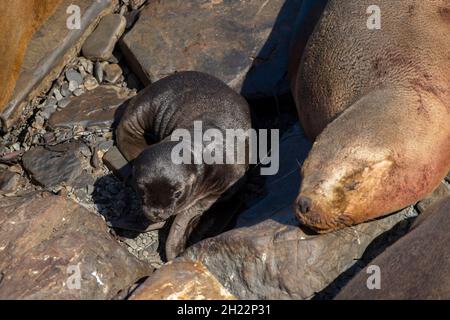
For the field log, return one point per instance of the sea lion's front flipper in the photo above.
(180, 230)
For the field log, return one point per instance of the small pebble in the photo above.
(16, 168)
(123, 10)
(90, 83)
(57, 94)
(88, 65)
(105, 145)
(113, 72)
(78, 92)
(38, 122)
(73, 85)
(82, 71)
(98, 71)
(65, 90)
(72, 75)
(47, 112)
(63, 103)
(50, 102)
(131, 243)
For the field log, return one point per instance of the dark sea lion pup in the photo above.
(144, 136)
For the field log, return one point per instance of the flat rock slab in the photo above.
(182, 280)
(100, 44)
(116, 162)
(51, 248)
(50, 168)
(222, 38)
(416, 267)
(96, 108)
(48, 51)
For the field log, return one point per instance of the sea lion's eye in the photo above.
(177, 194)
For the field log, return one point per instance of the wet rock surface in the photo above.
(48, 241)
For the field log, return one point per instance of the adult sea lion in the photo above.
(144, 137)
(417, 266)
(378, 102)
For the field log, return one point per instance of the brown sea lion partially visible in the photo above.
(20, 20)
(144, 136)
(377, 103)
(417, 266)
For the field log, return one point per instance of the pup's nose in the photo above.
(304, 204)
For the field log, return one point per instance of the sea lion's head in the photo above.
(343, 184)
(164, 187)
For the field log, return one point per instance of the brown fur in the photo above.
(378, 102)
(20, 19)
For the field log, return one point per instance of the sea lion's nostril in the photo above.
(304, 204)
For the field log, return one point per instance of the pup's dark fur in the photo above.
(143, 136)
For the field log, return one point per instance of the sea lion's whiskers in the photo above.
(283, 177)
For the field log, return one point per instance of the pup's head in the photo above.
(163, 186)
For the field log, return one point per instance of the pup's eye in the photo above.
(177, 194)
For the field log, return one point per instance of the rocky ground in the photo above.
(60, 149)
(64, 149)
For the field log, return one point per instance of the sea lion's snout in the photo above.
(311, 213)
(304, 204)
(305, 213)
